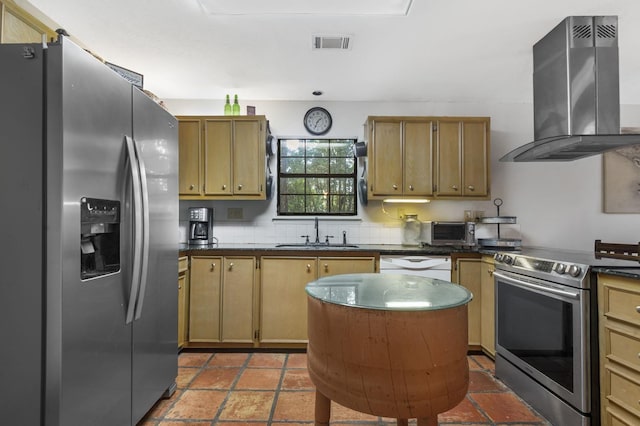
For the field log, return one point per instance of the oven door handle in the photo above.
(542, 288)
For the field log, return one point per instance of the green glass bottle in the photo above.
(236, 106)
(227, 107)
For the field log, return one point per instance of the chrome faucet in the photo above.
(317, 233)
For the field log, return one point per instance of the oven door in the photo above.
(542, 328)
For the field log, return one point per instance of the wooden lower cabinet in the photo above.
(183, 300)
(221, 299)
(619, 335)
(467, 274)
(283, 300)
(487, 307)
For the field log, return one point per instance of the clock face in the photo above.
(317, 121)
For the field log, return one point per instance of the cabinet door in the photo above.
(237, 299)
(217, 156)
(487, 308)
(183, 306)
(345, 265)
(190, 147)
(204, 299)
(386, 157)
(468, 276)
(449, 179)
(475, 159)
(14, 28)
(283, 300)
(248, 157)
(418, 149)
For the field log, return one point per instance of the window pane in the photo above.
(292, 148)
(292, 203)
(292, 165)
(342, 148)
(342, 204)
(292, 185)
(318, 186)
(342, 186)
(317, 148)
(318, 165)
(342, 166)
(317, 203)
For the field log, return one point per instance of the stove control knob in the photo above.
(507, 259)
(498, 257)
(560, 268)
(574, 270)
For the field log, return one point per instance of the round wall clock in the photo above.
(317, 121)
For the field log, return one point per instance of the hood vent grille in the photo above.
(341, 42)
(582, 31)
(607, 31)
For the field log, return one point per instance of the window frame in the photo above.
(353, 176)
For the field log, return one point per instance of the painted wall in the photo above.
(556, 204)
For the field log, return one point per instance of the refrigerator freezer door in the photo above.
(21, 216)
(88, 341)
(155, 347)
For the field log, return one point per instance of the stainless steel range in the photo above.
(546, 331)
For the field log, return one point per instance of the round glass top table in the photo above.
(390, 345)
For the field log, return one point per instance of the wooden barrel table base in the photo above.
(388, 363)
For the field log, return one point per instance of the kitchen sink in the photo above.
(316, 246)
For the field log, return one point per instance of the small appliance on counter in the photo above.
(443, 233)
(200, 225)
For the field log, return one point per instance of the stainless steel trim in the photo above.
(138, 224)
(145, 229)
(529, 285)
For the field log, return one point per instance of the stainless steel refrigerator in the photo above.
(89, 228)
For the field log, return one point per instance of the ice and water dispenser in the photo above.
(100, 237)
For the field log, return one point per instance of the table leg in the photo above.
(428, 421)
(402, 422)
(323, 409)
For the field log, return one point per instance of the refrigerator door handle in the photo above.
(145, 230)
(137, 224)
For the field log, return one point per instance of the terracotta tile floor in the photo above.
(257, 389)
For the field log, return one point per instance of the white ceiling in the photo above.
(442, 50)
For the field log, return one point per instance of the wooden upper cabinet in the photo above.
(17, 26)
(462, 157)
(226, 156)
(218, 141)
(400, 152)
(189, 147)
(432, 157)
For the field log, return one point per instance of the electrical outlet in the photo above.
(235, 213)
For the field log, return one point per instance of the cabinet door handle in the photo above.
(326, 267)
(638, 309)
(490, 272)
(191, 186)
(308, 267)
(224, 187)
(471, 188)
(410, 187)
(240, 187)
(213, 266)
(454, 187)
(231, 266)
(395, 187)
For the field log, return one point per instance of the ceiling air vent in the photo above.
(332, 42)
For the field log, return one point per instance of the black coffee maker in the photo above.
(200, 225)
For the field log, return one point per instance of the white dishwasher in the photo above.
(425, 266)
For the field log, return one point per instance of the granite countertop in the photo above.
(621, 272)
(383, 249)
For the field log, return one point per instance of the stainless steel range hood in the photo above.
(576, 94)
